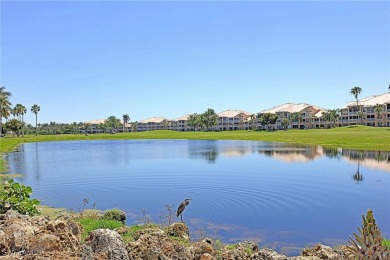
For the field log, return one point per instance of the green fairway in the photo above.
(359, 137)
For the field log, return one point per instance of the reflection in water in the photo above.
(37, 160)
(379, 160)
(208, 151)
(292, 154)
(358, 176)
(373, 159)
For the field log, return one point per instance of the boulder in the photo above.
(17, 234)
(108, 242)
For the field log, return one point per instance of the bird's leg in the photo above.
(181, 217)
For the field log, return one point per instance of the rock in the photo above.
(17, 234)
(207, 256)
(322, 252)
(250, 250)
(76, 229)
(86, 252)
(306, 258)
(10, 214)
(268, 254)
(179, 229)
(108, 242)
(44, 242)
(199, 248)
(150, 231)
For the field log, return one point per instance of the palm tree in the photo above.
(35, 109)
(86, 126)
(360, 115)
(378, 109)
(334, 114)
(252, 121)
(126, 119)
(285, 122)
(134, 126)
(296, 117)
(326, 117)
(20, 110)
(5, 105)
(355, 91)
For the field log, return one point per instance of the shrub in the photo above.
(369, 244)
(115, 214)
(15, 196)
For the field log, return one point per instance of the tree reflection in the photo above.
(358, 176)
(207, 152)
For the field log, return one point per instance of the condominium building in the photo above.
(181, 124)
(309, 116)
(97, 126)
(233, 120)
(154, 123)
(370, 111)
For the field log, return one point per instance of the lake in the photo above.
(282, 196)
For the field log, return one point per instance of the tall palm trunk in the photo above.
(36, 124)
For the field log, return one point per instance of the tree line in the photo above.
(16, 124)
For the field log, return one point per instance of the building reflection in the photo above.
(293, 154)
(379, 160)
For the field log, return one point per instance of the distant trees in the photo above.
(210, 119)
(113, 122)
(268, 119)
(14, 126)
(206, 120)
(193, 121)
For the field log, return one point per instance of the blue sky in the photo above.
(84, 60)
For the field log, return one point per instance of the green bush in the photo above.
(115, 214)
(15, 196)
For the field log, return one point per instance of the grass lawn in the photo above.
(358, 138)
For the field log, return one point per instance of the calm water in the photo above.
(281, 196)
